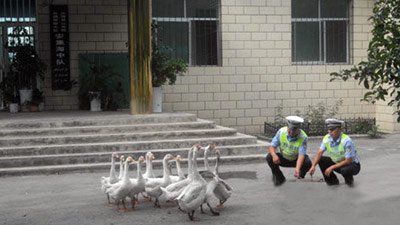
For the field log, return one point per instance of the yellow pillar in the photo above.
(139, 29)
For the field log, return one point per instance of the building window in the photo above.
(19, 36)
(320, 31)
(190, 28)
(17, 11)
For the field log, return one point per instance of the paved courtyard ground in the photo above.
(77, 199)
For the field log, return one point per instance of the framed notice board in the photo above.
(59, 41)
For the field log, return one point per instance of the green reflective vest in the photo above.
(290, 150)
(337, 154)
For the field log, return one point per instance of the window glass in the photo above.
(305, 41)
(19, 36)
(204, 36)
(304, 8)
(336, 45)
(322, 39)
(189, 28)
(205, 8)
(168, 8)
(178, 43)
(17, 10)
(334, 9)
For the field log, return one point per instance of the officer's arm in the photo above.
(342, 163)
(272, 151)
(274, 144)
(299, 163)
(317, 157)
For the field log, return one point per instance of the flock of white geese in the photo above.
(189, 192)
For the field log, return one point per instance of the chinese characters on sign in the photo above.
(59, 38)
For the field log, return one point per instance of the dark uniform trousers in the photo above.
(347, 171)
(287, 163)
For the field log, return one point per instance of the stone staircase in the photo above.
(84, 142)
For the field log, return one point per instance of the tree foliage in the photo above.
(380, 73)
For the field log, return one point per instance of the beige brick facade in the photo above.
(256, 74)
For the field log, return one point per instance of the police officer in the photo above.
(341, 155)
(292, 144)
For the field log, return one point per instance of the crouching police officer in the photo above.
(342, 155)
(292, 144)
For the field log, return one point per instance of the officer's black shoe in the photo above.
(349, 181)
(277, 181)
(332, 182)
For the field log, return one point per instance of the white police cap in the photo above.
(294, 121)
(332, 123)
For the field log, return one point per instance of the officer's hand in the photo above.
(312, 170)
(276, 159)
(297, 173)
(328, 172)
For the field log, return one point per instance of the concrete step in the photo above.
(116, 137)
(103, 157)
(122, 128)
(78, 120)
(238, 139)
(96, 167)
(76, 141)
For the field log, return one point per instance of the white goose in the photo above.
(223, 190)
(138, 184)
(112, 179)
(181, 175)
(121, 166)
(212, 179)
(153, 185)
(120, 190)
(194, 194)
(172, 191)
(149, 166)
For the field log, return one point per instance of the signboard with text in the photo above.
(59, 39)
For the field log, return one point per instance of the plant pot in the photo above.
(41, 107)
(34, 108)
(25, 96)
(95, 101)
(13, 107)
(157, 99)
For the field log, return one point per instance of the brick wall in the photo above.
(256, 73)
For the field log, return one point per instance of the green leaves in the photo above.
(380, 74)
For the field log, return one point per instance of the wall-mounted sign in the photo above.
(59, 38)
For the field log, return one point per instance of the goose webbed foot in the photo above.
(214, 213)
(124, 209)
(221, 204)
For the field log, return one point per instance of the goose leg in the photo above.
(117, 203)
(108, 199)
(212, 210)
(157, 203)
(133, 201)
(221, 204)
(201, 208)
(191, 215)
(123, 204)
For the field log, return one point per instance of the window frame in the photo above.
(189, 21)
(322, 36)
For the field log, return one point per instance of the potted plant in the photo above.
(37, 103)
(8, 91)
(25, 64)
(164, 69)
(97, 86)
